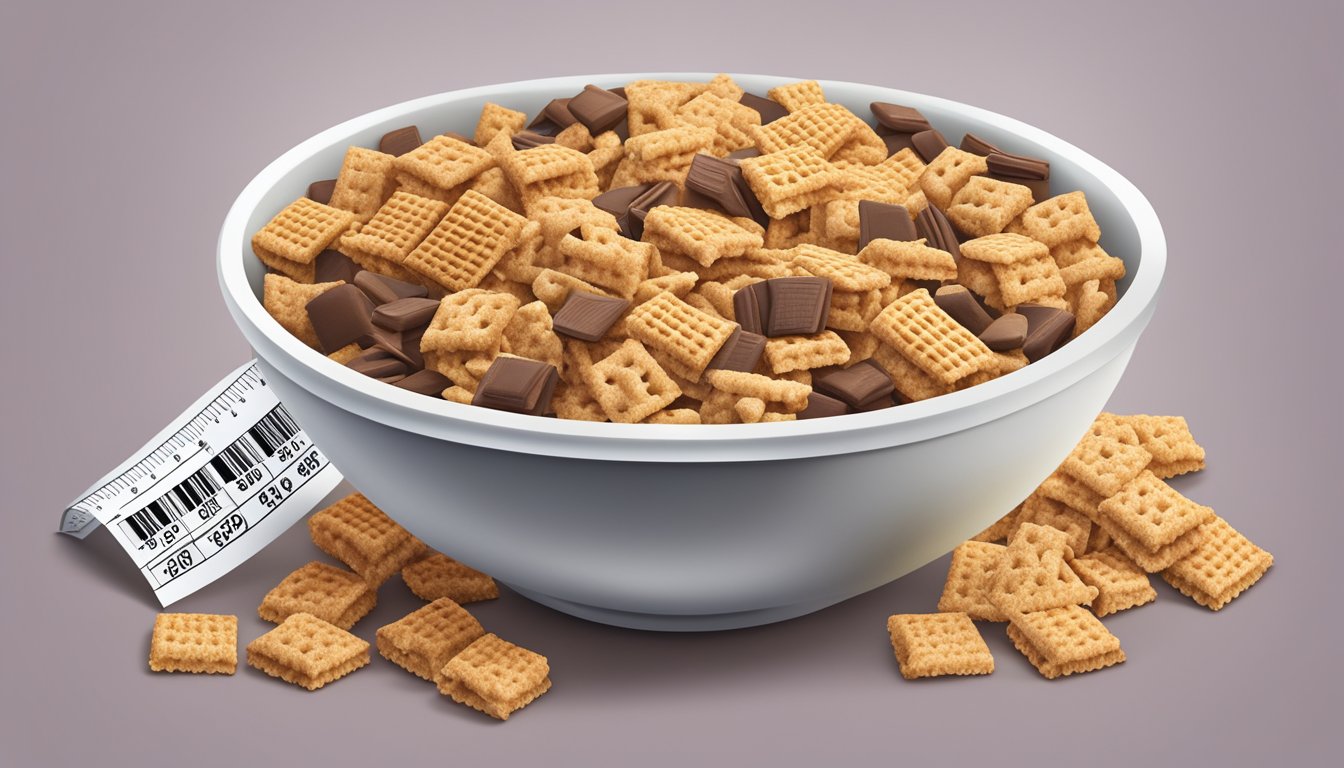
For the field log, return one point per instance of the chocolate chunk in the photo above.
(1008, 331)
(598, 109)
(928, 285)
(722, 182)
(976, 145)
(619, 91)
(465, 139)
(341, 316)
(517, 384)
(404, 344)
(741, 352)
(331, 266)
(320, 191)
(928, 144)
(405, 313)
(860, 383)
(617, 203)
(899, 119)
(377, 365)
(1048, 329)
(426, 382)
(529, 139)
(400, 141)
(877, 403)
(932, 225)
(743, 154)
(588, 316)
(896, 142)
(662, 193)
(1030, 172)
(957, 301)
(820, 406)
(751, 306)
(885, 221)
(770, 109)
(382, 289)
(798, 305)
(553, 118)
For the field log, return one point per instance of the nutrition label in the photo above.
(210, 490)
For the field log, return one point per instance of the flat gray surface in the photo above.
(128, 131)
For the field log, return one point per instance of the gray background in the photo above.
(128, 130)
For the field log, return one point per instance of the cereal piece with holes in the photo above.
(495, 676)
(358, 534)
(422, 641)
(936, 644)
(203, 643)
(308, 652)
(334, 595)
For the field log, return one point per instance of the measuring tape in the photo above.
(220, 482)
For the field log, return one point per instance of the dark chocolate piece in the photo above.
(598, 109)
(898, 118)
(885, 221)
(426, 382)
(411, 312)
(331, 266)
(1048, 329)
(957, 301)
(407, 344)
(1008, 331)
(588, 316)
(1030, 172)
(743, 154)
(751, 306)
(722, 182)
(382, 289)
(517, 384)
(976, 145)
(465, 139)
(617, 203)
(377, 366)
(896, 142)
(320, 191)
(877, 403)
(662, 193)
(820, 406)
(858, 384)
(400, 141)
(928, 144)
(529, 139)
(341, 316)
(932, 225)
(553, 118)
(770, 109)
(741, 352)
(798, 305)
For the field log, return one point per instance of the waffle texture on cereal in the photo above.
(308, 652)
(358, 534)
(194, 642)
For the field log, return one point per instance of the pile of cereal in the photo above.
(683, 253)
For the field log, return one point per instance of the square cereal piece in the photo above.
(846, 272)
(826, 128)
(287, 302)
(495, 677)
(803, 353)
(789, 180)
(927, 336)
(467, 243)
(439, 576)
(1224, 565)
(937, 644)
(1003, 248)
(605, 258)
(445, 162)
(1065, 641)
(984, 206)
(1152, 512)
(1120, 583)
(1043, 510)
(629, 385)
(473, 320)
(1152, 560)
(1029, 280)
(400, 225)
(702, 235)
(968, 580)
(495, 118)
(948, 173)
(790, 395)
(1058, 220)
(686, 337)
(1034, 573)
(364, 183)
(1072, 493)
(795, 96)
(910, 380)
(1170, 442)
(1082, 260)
(425, 639)
(909, 260)
(1107, 459)
(290, 242)
(336, 596)
(308, 652)
(194, 642)
(1001, 528)
(358, 534)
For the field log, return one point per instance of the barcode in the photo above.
(273, 429)
(183, 498)
(233, 461)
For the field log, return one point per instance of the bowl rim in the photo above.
(912, 422)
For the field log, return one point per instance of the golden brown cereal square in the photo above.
(287, 301)
(1065, 641)
(928, 337)
(846, 273)
(1106, 461)
(801, 353)
(1082, 260)
(336, 596)
(999, 529)
(364, 183)
(1029, 280)
(629, 384)
(789, 394)
(947, 173)
(911, 381)
(422, 641)
(194, 642)
(1034, 573)
(909, 260)
(1224, 565)
(1167, 438)
(495, 118)
(936, 644)
(605, 258)
(1153, 560)
(467, 243)
(308, 652)
(473, 320)
(968, 579)
(790, 180)
(290, 242)
(1043, 510)
(702, 235)
(679, 332)
(383, 244)
(1059, 220)
(1004, 248)
(795, 96)
(826, 128)
(358, 534)
(984, 206)
(1071, 492)
(1120, 583)
(445, 162)
(495, 676)
(438, 575)
(1152, 512)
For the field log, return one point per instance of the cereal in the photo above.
(1107, 460)
(846, 273)
(1169, 441)
(425, 639)
(947, 173)
(795, 96)
(984, 206)
(287, 302)
(789, 180)
(903, 260)
(936, 644)
(467, 243)
(1034, 574)
(194, 642)
(308, 652)
(1065, 641)
(629, 385)
(444, 162)
(798, 353)
(336, 596)
(383, 244)
(358, 534)
(1059, 220)
(606, 259)
(1043, 510)
(743, 384)
(495, 676)
(364, 182)
(969, 578)
(702, 235)
(682, 334)
(914, 326)
(1119, 582)
(1152, 512)
(1224, 565)
(470, 320)
(290, 242)
(495, 118)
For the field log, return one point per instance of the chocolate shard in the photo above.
(617, 202)
(858, 384)
(928, 144)
(877, 403)
(517, 384)
(400, 141)
(402, 314)
(1008, 331)
(1048, 329)
(553, 118)
(743, 154)
(588, 316)
(377, 365)
(404, 344)
(529, 139)
(896, 142)
(932, 225)
(722, 182)
(382, 289)
(898, 118)
(1030, 172)
(885, 221)
(751, 307)
(798, 305)
(662, 193)
(341, 316)
(741, 352)
(320, 191)
(331, 266)
(976, 145)
(426, 382)
(820, 406)
(770, 109)
(598, 109)
(957, 301)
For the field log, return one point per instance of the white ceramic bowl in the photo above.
(697, 527)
